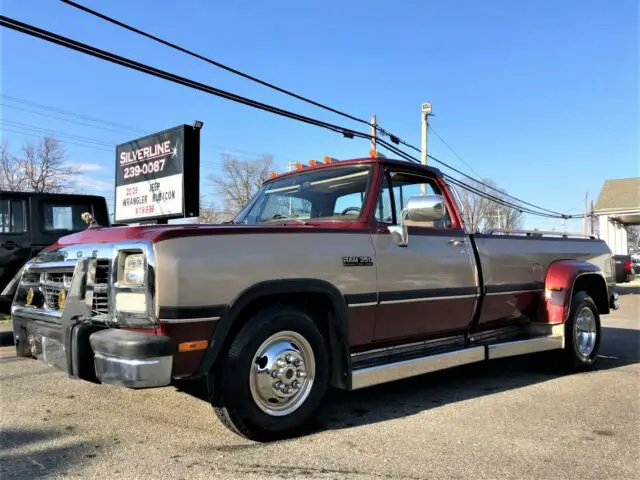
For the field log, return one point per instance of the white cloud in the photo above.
(86, 167)
(86, 184)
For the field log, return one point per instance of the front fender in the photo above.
(338, 327)
(559, 284)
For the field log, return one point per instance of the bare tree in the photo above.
(240, 180)
(41, 167)
(633, 239)
(11, 177)
(211, 214)
(482, 213)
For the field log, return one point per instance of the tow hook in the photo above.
(614, 302)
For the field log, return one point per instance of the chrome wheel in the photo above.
(282, 373)
(585, 331)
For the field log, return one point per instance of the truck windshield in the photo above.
(330, 194)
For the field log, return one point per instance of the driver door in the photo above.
(430, 286)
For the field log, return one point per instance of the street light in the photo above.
(198, 124)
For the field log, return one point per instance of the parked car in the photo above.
(348, 275)
(30, 221)
(623, 268)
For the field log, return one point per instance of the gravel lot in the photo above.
(500, 420)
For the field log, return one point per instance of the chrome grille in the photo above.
(100, 304)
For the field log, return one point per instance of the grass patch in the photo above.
(5, 319)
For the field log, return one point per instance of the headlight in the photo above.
(133, 273)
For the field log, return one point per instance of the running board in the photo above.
(366, 377)
(389, 372)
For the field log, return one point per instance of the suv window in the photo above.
(393, 200)
(63, 217)
(12, 216)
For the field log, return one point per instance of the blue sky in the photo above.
(540, 96)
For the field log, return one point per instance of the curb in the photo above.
(6, 339)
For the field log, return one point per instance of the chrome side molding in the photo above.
(369, 376)
(551, 338)
(554, 341)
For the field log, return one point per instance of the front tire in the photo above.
(273, 376)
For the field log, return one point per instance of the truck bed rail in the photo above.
(536, 233)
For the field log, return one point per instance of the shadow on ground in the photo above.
(29, 454)
(398, 399)
(623, 289)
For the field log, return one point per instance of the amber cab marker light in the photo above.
(298, 165)
(193, 346)
(274, 174)
(313, 163)
(328, 159)
(373, 153)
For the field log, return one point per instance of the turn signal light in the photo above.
(192, 346)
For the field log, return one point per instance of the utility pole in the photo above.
(426, 111)
(374, 135)
(586, 206)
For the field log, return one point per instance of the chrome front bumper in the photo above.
(133, 373)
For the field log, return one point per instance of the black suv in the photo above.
(30, 222)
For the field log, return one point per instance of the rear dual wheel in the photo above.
(582, 336)
(273, 376)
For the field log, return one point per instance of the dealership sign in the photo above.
(157, 176)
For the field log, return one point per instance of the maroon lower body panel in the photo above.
(186, 363)
(422, 318)
(361, 323)
(500, 310)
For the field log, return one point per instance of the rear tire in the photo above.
(272, 377)
(582, 336)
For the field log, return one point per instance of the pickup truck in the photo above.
(31, 221)
(347, 274)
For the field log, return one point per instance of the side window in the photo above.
(403, 187)
(12, 216)
(384, 208)
(63, 217)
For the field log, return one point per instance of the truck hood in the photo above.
(158, 233)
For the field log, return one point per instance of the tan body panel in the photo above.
(508, 260)
(202, 271)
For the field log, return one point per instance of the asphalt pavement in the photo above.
(502, 420)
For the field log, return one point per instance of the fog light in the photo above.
(131, 302)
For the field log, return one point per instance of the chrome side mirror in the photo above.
(427, 208)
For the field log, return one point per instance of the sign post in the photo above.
(158, 176)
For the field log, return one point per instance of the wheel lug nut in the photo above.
(281, 363)
(289, 358)
(295, 384)
(301, 374)
(274, 373)
(286, 390)
(278, 385)
(297, 362)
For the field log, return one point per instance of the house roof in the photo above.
(620, 195)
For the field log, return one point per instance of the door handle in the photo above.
(9, 245)
(455, 243)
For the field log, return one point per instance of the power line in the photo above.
(211, 61)
(394, 138)
(453, 151)
(12, 123)
(123, 61)
(39, 135)
(58, 117)
(71, 114)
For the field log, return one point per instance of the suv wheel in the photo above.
(273, 376)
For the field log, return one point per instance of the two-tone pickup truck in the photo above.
(347, 274)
